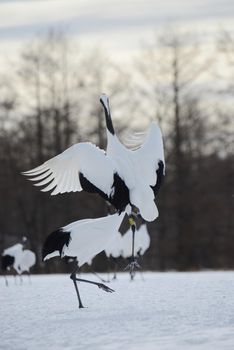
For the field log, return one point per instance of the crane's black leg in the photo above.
(77, 293)
(115, 269)
(108, 269)
(132, 272)
(99, 285)
(141, 262)
(115, 273)
(133, 264)
(6, 281)
(29, 277)
(74, 279)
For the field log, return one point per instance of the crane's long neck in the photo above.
(105, 103)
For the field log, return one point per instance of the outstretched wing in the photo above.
(150, 158)
(86, 167)
(66, 172)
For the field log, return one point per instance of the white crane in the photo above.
(128, 179)
(82, 240)
(120, 175)
(18, 258)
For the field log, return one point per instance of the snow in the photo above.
(164, 311)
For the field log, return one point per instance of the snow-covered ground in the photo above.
(163, 311)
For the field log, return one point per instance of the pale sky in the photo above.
(119, 27)
(116, 25)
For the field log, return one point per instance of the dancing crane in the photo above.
(82, 240)
(123, 177)
(128, 179)
(18, 258)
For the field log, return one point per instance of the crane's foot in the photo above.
(132, 266)
(105, 288)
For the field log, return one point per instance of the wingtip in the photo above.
(25, 173)
(35, 171)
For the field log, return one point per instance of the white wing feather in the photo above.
(61, 173)
(150, 153)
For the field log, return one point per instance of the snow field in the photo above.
(164, 311)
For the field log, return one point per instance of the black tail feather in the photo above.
(7, 261)
(55, 242)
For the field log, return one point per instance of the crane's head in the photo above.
(105, 103)
(24, 239)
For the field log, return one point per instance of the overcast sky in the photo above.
(116, 25)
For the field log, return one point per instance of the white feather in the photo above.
(114, 247)
(28, 259)
(89, 237)
(61, 173)
(138, 169)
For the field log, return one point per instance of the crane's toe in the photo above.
(132, 266)
(105, 288)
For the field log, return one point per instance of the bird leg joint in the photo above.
(131, 221)
(73, 276)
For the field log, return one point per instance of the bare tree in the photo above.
(56, 88)
(170, 74)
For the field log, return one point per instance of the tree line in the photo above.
(52, 102)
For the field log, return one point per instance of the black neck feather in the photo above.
(109, 124)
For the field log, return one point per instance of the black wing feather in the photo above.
(160, 177)
(120, 197)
